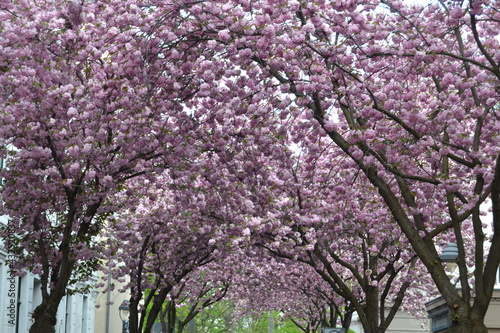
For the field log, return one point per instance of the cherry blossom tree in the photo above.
(409, 94)
(170, 236)
(332, 220)
(91, 97)
(179, 222)
(290, 288)
(198, 291)
(95, 95)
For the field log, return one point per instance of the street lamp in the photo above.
(450, 257)
(124, 309)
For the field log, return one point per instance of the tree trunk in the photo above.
(228, 318)
(466, 320)
(346, 321)
(45, 315)
(468, 325)
(172, 316)
(133, 323)
(163, 316)
(156, 307)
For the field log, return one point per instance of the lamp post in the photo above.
(124, 309)
(450, 257)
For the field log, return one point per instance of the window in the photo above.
(18, 314)
(1, 167)
(85, 314)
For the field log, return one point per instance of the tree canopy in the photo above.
(354, 137)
